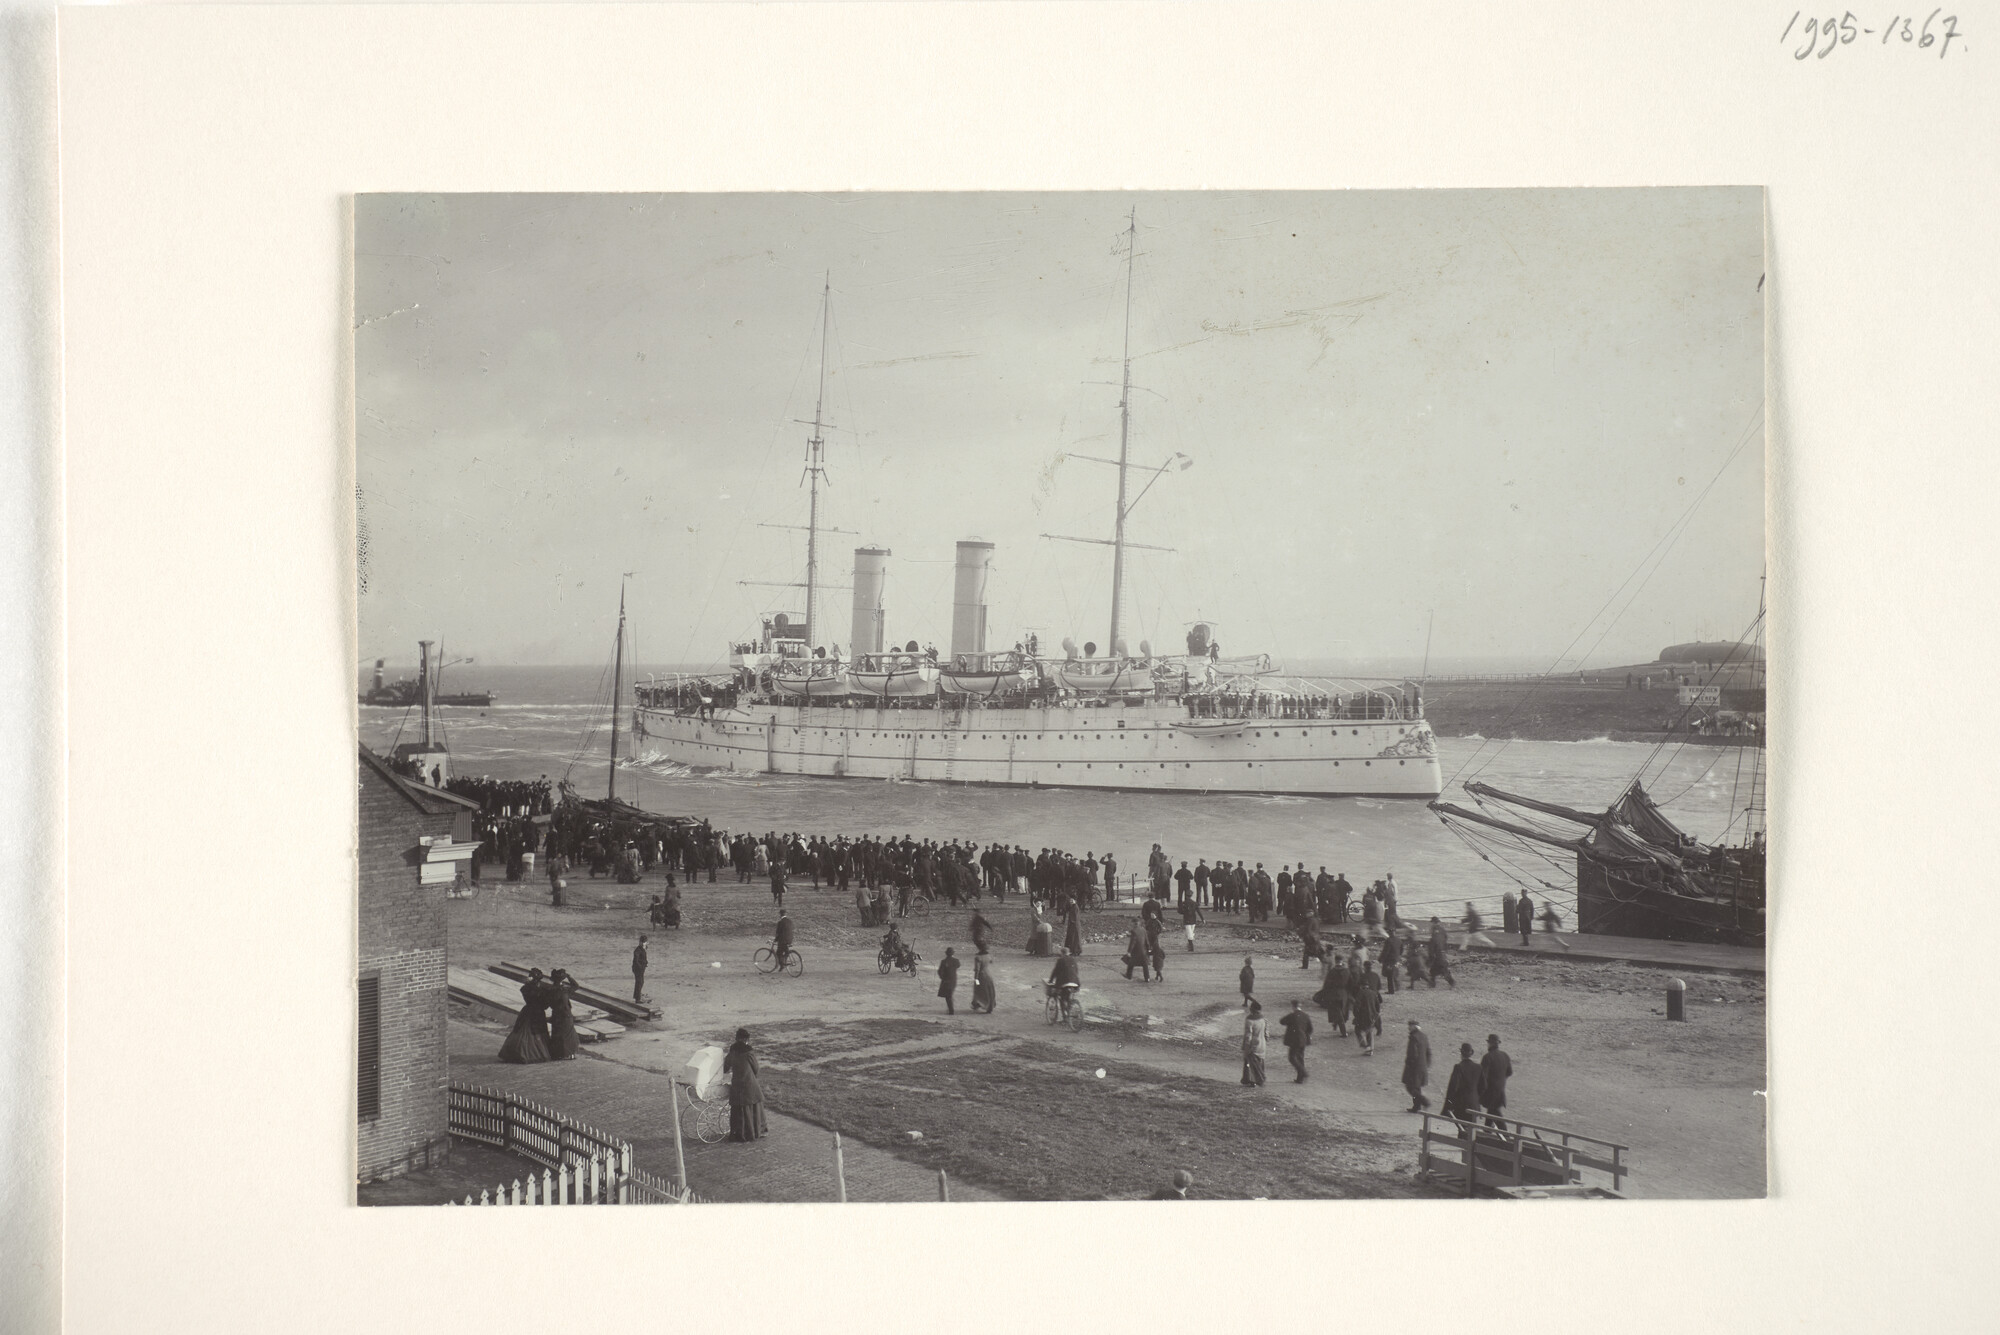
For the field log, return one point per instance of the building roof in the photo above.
(431, 801)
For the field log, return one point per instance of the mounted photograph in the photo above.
(784, 616)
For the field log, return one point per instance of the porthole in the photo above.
(1246, 765)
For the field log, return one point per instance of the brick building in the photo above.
(414, 839)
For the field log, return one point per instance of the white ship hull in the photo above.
(1135, 748)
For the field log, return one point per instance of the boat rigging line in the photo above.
(1660, 549)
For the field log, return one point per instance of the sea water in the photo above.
(553, 722)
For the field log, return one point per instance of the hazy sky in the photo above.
(1487, 405)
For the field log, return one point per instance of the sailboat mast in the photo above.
(617, 691)
(815, 453)
(424, 689)
(1124, 441)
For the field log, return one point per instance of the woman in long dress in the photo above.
(528, 1040)
(982, 982)
(563, 1042)
(746, 1096)
(1073, 931)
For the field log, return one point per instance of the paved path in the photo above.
(794, 1162)
(1687, 955)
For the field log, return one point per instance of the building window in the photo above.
(369, 1088)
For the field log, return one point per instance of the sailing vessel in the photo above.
(981, 714)
(428, 758)
(1637, 873)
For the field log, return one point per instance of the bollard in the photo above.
(1676, 999)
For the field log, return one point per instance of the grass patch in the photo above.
(1035, 1123)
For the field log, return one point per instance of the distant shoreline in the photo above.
(1564, 712)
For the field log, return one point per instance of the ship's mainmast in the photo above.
(1123, 462)
(1124, 440)
(815, 470)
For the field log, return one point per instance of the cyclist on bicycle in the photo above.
(1063, 978)
(893, 947)
(782, 938)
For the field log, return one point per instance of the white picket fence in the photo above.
(580, 1164)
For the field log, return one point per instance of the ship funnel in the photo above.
(871, 570)
(968, 603)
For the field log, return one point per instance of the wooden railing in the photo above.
(1467, 1154)
(580, 1164)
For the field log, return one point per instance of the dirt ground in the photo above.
(1009, 1103)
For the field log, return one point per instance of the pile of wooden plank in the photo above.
(618, 1008)
(483, 989)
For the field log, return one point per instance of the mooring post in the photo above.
(944, 1188)
(1676, 999)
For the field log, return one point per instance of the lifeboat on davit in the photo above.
(984, 676)
(814, 678)
(893, 676)
(1119, 674)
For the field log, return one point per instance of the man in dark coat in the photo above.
(1336, 996)
(982, 931)
(1494, 1069)
(1527, 919)
(1298, 1037)
(1365, 992)
(1246, 982)
(782, 935)
(1436, 961)
(1417, 1067)
(1461, 1092)
(948, 979)
(639, 969)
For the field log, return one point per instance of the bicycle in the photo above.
(767, 961)
(1062, 1006)
(907, 961)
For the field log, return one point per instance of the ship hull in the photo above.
(1131, 749)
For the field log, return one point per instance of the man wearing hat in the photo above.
(1183, 1180)
(1494, 1069)
(1298, 1037)
(948, 979)
(1461, 1091)
(1417, 1067)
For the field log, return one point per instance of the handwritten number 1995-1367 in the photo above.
(1822, 35)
